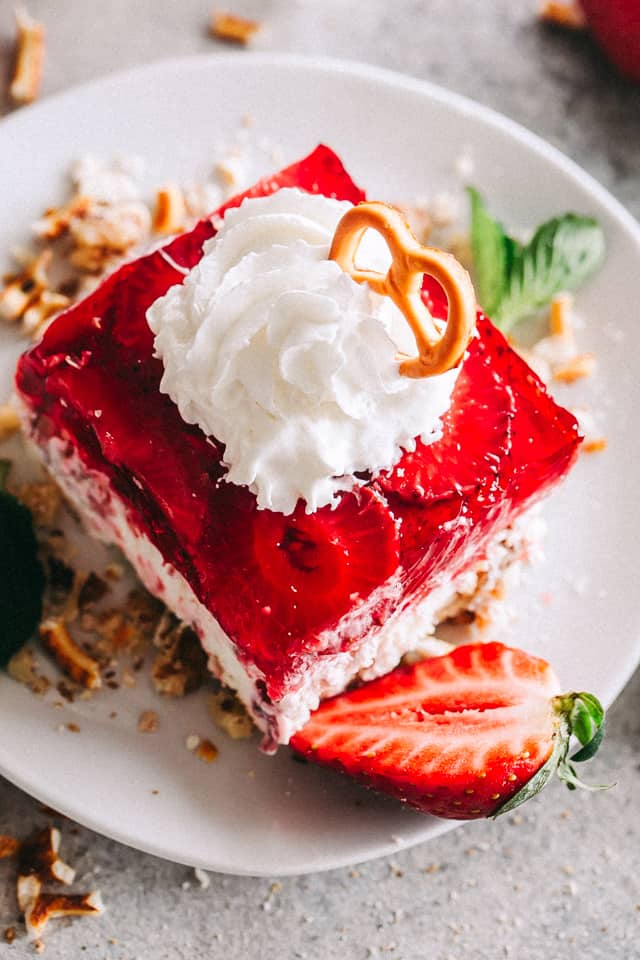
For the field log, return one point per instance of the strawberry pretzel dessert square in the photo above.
(312, 445)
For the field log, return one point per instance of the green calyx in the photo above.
(577, 714)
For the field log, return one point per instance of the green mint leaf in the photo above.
(514, 280)
(21, 576)
(493, 254)
(562, 254)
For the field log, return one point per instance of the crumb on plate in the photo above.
(29, 59)
(232, 28)
(77, 664)
(563, 13)
(148, 721)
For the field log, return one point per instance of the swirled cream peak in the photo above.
(274, 350)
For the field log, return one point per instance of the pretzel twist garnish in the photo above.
(440, 347)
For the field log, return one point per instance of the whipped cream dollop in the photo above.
(278, 353)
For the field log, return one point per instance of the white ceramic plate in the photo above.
(247, 813)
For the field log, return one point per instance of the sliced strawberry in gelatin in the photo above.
(329, 559)
(476, 433)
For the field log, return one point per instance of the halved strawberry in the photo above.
(471, 734)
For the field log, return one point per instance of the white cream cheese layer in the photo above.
(274, 350)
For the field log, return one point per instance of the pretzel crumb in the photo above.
(563, 13)
(22, 669)
(114, 572)
(39, 861)
(170, 211)
(578, 367)
(10, 934)
(232, 28)
(9, 846)
(56, 220)
(228, 713)
(30, 44)
(230, 170)
(560, 324)
(9, 421)
(597, 445)
(23, 289)
(181, 664)
(148, 721)
(77, 664)
(48, 305)
(48, 906)
(42, 500)
(207, 751)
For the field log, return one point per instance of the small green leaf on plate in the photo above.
(21, 576)
(515, 280)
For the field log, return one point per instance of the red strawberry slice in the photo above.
(545, 438)
(320, 563)
(476, 432)
(467, 735)
(165, 464)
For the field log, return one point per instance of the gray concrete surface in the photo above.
(561, 878)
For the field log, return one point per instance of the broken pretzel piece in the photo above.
(56, 220)
(563, 13)
(578, 367)
(77, 664)
(48, 305)
(48, 906)
(232, 28)
(25, 84)
(27, 891)
(595, 445)
(39, 859)
(24, 289)
(230, 715)
(38, 862)
(171, 212)
(560, 324)
(8, 846)
(9, 421)
(181, 665)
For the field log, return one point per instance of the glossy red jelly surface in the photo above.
(280, 586)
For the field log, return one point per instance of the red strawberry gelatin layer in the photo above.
(288, 592)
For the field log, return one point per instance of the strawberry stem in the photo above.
(577, 714)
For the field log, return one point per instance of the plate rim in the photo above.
(433, 92)
(366, 71)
